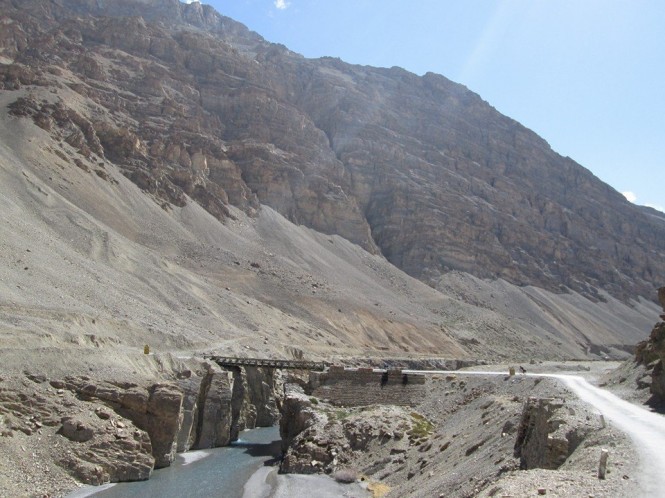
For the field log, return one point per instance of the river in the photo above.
(246, 469)
(215, 472)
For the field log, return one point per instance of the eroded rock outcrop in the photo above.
(298, 414)
(651, 353)
(319, 437)
(155, 409)
(214, 419)
(88, 439)
(111, 431)
(115, 451)
(262, 385)
(549, 433)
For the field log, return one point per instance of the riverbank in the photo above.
(267, 483)
(246, 469)
(214, 472)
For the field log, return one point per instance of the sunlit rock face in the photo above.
(193, 106)
(651, 353)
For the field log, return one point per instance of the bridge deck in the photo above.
(230, 361)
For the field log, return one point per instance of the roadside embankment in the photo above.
(473, 435)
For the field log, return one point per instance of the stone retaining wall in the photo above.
(365, 386)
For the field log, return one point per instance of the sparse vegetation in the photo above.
(378, 489)
(421, 428)
(340, 414)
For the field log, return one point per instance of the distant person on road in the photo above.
(522, 369)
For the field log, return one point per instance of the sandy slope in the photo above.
(96, 264)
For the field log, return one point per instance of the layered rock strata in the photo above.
(193, 106)
(110, 431)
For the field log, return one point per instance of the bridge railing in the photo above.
(231, 361)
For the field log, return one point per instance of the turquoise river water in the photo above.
(219, 472)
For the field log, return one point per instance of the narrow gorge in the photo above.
(113, 430)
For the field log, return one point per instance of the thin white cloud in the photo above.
(282, 4)
(630, 196)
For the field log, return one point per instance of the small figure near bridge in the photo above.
(384, 379)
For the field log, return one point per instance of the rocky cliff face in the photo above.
(651, 354)
(109, 431)
(191, 105)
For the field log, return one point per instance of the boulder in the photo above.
(75, 430)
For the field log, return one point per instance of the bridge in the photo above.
(230, 361)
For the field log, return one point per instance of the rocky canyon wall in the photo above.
(110, 431)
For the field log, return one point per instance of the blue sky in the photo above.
(586, 75)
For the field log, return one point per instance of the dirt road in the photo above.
(645, 428)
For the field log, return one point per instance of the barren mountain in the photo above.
(168, 178)
(226, 137)
(419, 169)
